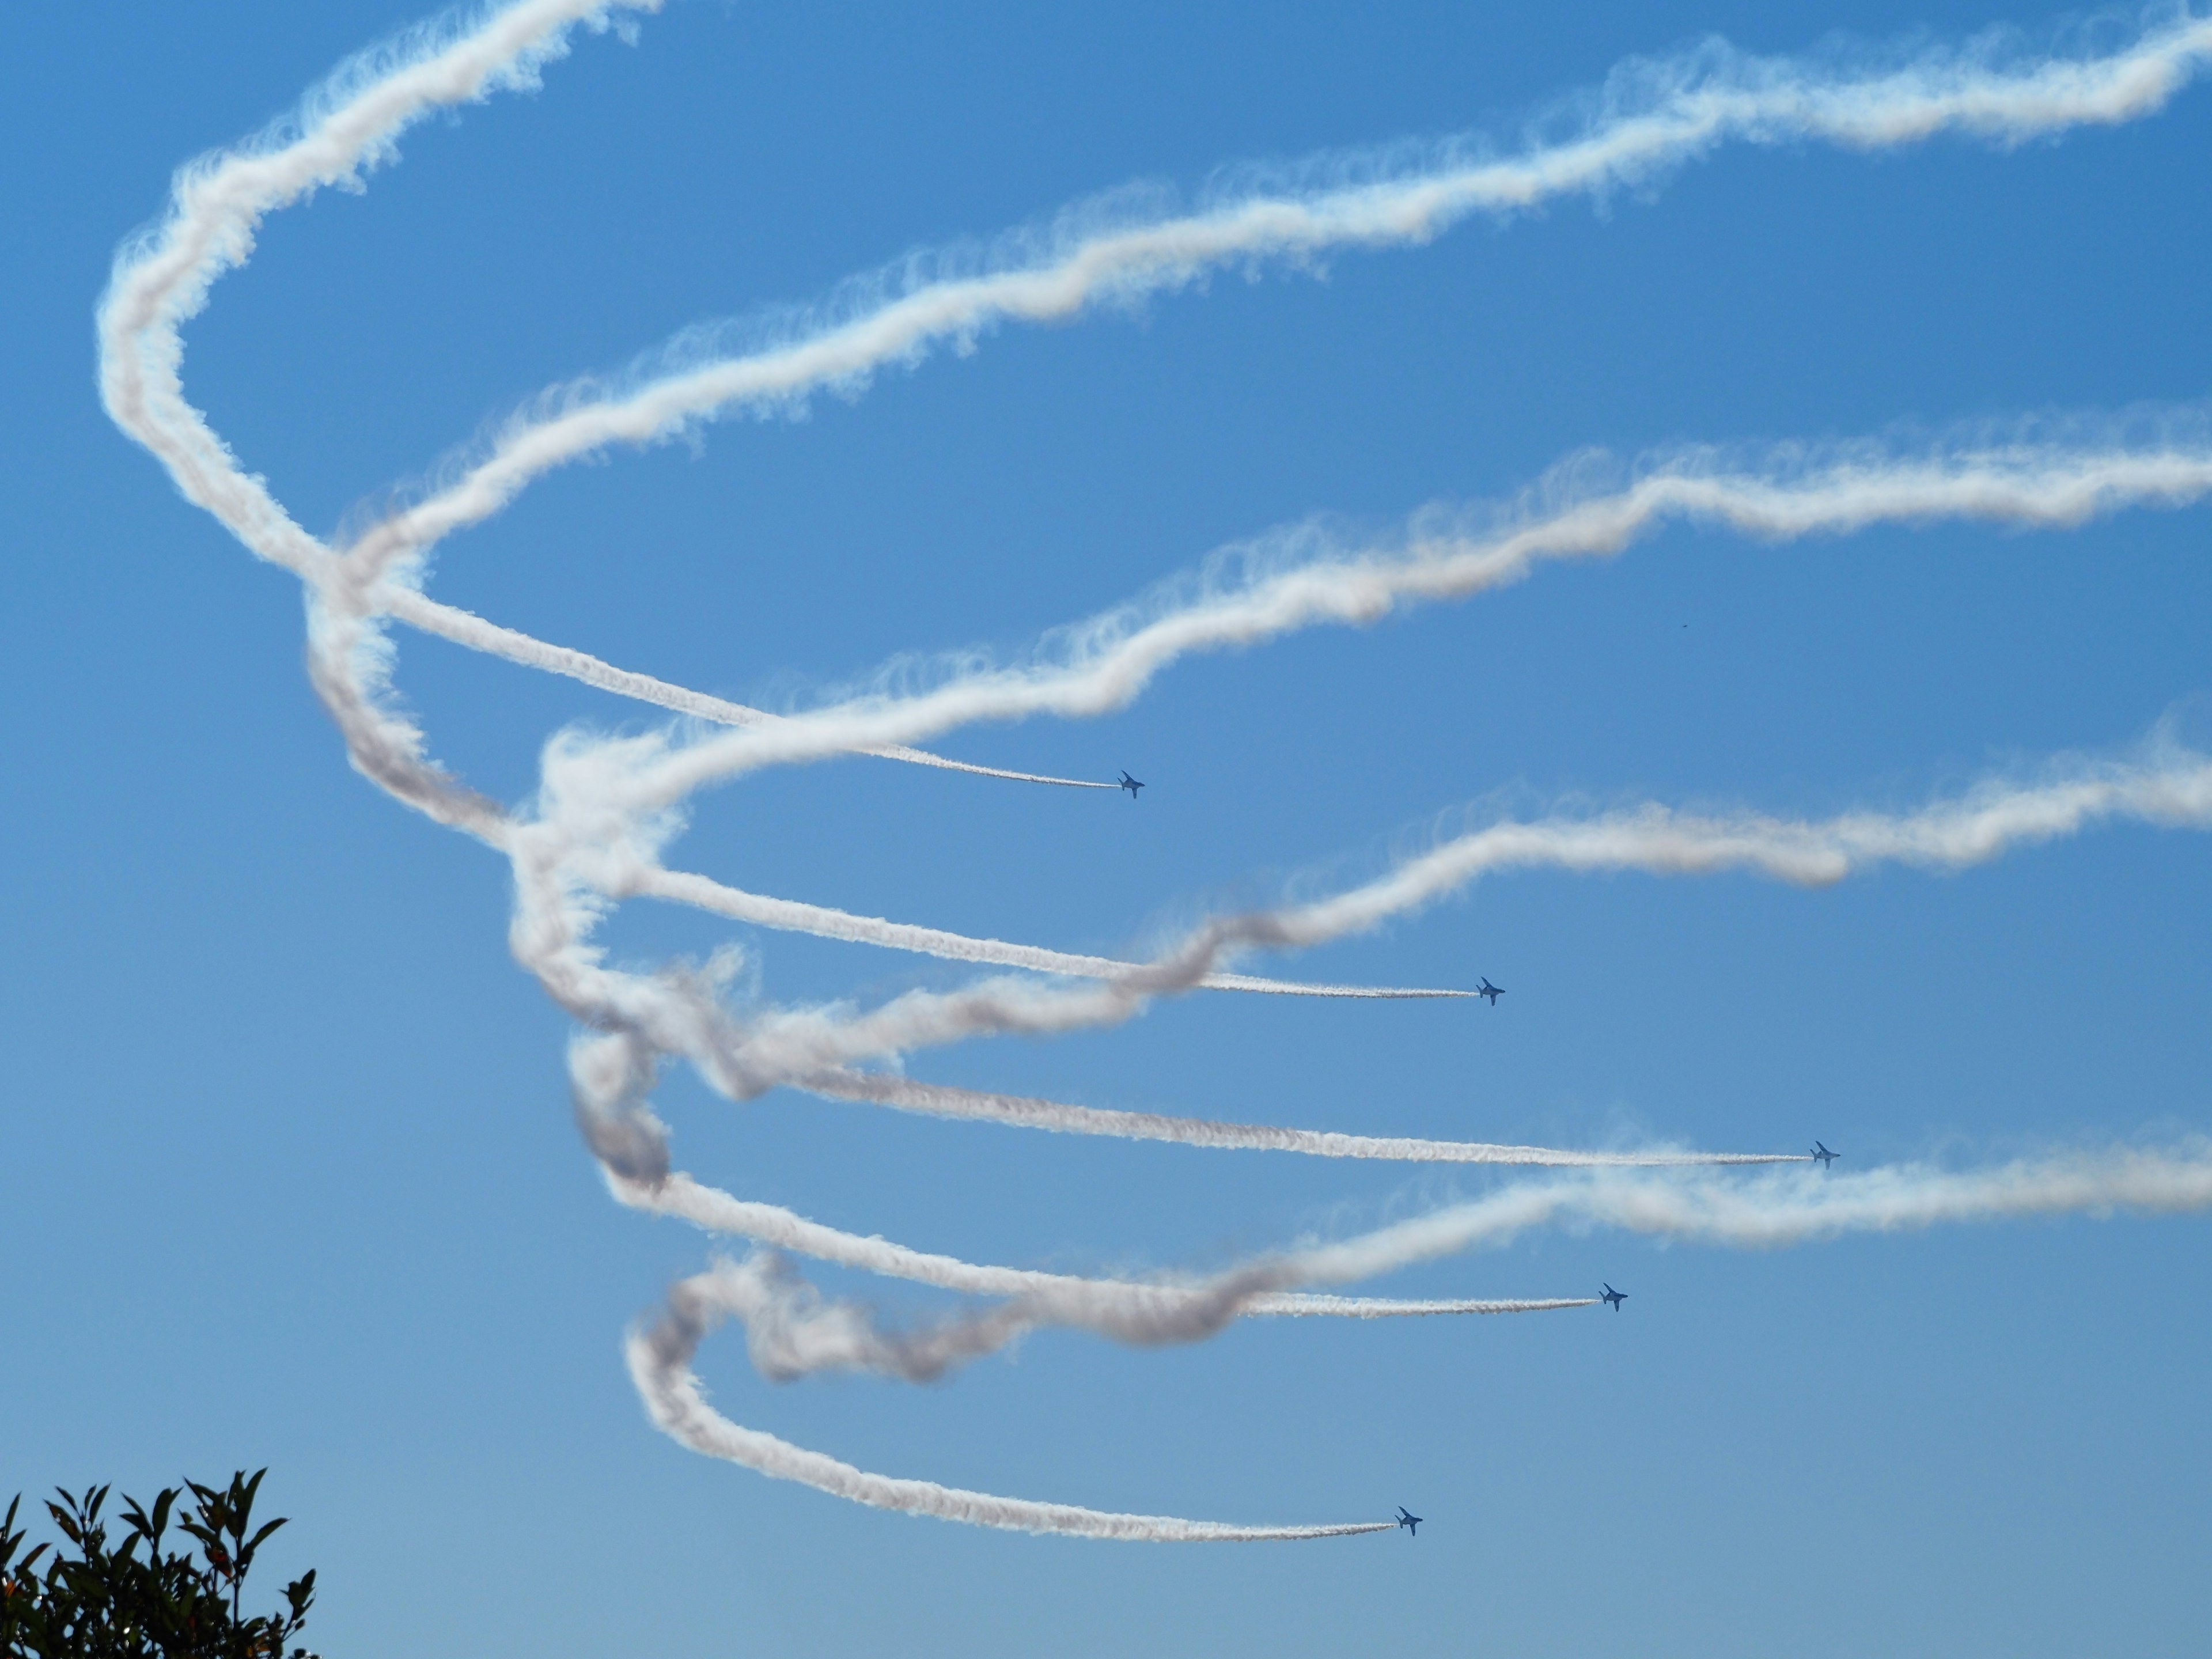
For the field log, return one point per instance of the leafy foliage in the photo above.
(96, 1600)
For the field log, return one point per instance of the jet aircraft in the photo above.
(1131, 785)
(1493, 991)
(1410, 1522)
(1613, 1296)
(1824, 1155)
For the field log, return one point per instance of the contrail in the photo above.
(464, 628)
(2174, 788)
(161, 280)
(2168, 785)
(1774, 1210)
(660, 1355)
(1651, 116)
(2171, 787)
(798, 1333)
(938, 1100)
(1366, 1307)
(349, 123)
(790, 915)
(1303, 577)
(1105, 663)
(791, 1331)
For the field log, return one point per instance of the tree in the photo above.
(102, 1602)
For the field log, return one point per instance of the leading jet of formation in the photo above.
(1410, 1522)
(1824, 1155)
(1615, 1298)
(1493, 991)
(1129, 783)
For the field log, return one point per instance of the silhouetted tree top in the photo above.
(133, 1600)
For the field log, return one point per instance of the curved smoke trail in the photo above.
(660, 1355)
(791, 1331)
(743, 1057)
(607, 809)
(1025, 1111)
(1303, 577)
(1654, 115)
(792, 915)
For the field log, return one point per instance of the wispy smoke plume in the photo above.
(791, 1331)
(1306, 580)
(660, 1355)
(1650, 117)
(1772, 1210)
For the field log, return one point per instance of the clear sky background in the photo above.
(287, 1173)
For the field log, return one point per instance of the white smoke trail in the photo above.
(938, 1100)
(1295, 1306)
(2168, 785)
(466, 629)
(1303, 577)
(613, 1074)
(1652, 116)
(1142, 1312)
(1759, 1211)
(792, 915)
(660, 1357)
(2171, 786)
(162, 278)
(350, 123)
(1774, 1210)
(1105, 663)
(791, 1331)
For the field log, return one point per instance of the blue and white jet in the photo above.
(1615, 1298)
(1410, 1522)
(1129, 783)
(1823, 1155)
(1493, 991)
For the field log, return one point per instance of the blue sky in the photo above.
(289, 1173)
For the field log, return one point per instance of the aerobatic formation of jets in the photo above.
(632, 1025)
